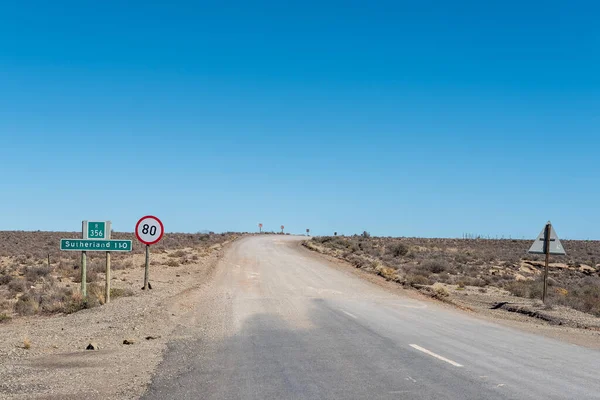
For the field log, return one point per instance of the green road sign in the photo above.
(96, 229)
(94, 245)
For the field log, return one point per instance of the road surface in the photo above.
(284, 324)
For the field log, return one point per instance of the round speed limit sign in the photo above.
(149, 230)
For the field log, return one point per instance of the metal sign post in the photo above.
(547, 263)
(260, 228)
(149, 230)
(547, 243)
(282, 228)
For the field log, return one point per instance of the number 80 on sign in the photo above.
(149, 230)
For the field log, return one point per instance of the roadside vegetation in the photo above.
(440, 264)
(38, 279)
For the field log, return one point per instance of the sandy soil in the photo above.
(57, 366)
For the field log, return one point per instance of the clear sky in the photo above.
(416, 118)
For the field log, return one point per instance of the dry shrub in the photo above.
(120, 265)
(90, 277)
(34, 274)
(5, 279)
(386, 272)
(18, 285)
(440, 292)
(172, 263)
(26, 305)
(96, 292)
(434, 266)
(397, 250)
(413, 280)
(178, 254)
(527, 289)
(118, 292)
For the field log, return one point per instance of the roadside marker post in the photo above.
(547, 243)
(260, 228)
(149, 230)
(307, 232)
(282, 228)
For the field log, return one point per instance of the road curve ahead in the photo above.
(281, 323)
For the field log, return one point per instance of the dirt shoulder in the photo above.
(562, 323)
(56, 364)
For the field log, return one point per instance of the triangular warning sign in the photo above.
(539, 246)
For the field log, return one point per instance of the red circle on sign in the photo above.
(162, 230)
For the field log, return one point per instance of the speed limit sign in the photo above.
(149, 230)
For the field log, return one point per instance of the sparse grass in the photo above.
(29, 286)
(172, 263)
(178, 254)
(34, 274)
(118, 292)
(4, 317)
(475, 262)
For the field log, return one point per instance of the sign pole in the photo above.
(546, 268)
(547, 243)
(107, 285)
(84, 263)
(149, 230)
(147, 271)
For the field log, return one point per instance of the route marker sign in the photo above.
(94, 245)
(547, 243)
(149, 230)
(96, 229)
(260, 227)
(282, 228)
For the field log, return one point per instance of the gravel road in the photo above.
(57, 366)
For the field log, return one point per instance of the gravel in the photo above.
(57, 364)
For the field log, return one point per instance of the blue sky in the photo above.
(399, 118)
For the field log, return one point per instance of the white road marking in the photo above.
(432, 354)
(347, 313)
(411, 379)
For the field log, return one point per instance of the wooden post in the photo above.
(147, 271)
(83, 264)
(48, 260)
(107, 285)
(546, 268)
(108, 228)
(84, 274)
